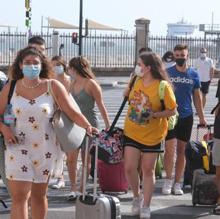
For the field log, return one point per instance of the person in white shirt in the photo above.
(168, 59)
(205, 68)
(3, 79)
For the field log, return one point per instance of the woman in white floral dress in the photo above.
(31, 145)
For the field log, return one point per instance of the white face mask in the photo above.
(138, 72)
(168, 59)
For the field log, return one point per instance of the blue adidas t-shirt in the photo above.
(184, 84)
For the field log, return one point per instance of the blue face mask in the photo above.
(31, 71)
(59, 69)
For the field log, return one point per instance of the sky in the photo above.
(117, 13)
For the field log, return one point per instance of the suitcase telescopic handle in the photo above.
(205, 126)
(85, 168)
(209, 127)
(95, 169)
(94, 135)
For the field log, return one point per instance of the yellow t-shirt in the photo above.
(147, 131)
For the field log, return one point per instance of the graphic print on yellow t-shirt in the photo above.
(139, 107)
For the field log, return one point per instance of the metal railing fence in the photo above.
(103, 50)
(162, 44)
(107, 50)
(100, 50)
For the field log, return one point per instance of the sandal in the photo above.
(216, 210)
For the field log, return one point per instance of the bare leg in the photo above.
(20, 193)
(203, 100)
(131, 159)
(180, 160)
(39, 204)
(88, 167)
(72, 158)
(148, 169)
(169, 157)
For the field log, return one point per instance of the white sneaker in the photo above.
(177, 190)
(167, 187)
(145, 213)
(59, 184)
(135, 209)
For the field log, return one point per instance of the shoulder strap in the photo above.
(162, 89)
(162, 86)
(134, 79)
(121, 107)
(11, 90)
(51, 92)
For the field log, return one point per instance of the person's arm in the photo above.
(217, 111)
(197, 100)
(212, 70)
(165, 113)
(63, 100)
(96, 91)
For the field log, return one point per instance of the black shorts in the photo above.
(143, 148)
(182, 124)
(170, 134)
(205, 87)
(183, 128)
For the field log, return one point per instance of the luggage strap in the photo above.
(121, 107)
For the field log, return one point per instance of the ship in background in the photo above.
(181, 29)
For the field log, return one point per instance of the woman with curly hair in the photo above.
(31, 147)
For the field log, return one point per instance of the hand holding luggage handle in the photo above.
(203, 126)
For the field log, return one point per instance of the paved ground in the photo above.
(166, 207)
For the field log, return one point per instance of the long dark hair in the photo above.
(82, 66)
(153, 60)
(15, 71)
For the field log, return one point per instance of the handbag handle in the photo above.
(121, 107)
(11, 90)
(51, 92)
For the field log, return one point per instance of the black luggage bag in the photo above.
(204, 189)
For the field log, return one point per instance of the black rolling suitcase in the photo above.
(96, 206)
(198, 154)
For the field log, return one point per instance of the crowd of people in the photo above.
(33, 154)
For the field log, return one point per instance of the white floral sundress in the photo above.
(33, 158)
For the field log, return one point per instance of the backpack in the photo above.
(172, 120)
